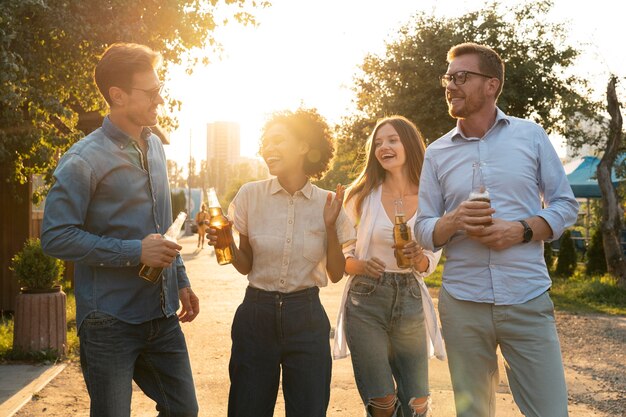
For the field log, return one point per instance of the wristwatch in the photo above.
(528, 232)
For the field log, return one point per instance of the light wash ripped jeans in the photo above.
(387, 338)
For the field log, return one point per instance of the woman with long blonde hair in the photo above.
(387, 317)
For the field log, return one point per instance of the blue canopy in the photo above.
(583, 178)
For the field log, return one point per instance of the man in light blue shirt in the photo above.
(107, 211)
(495, 280)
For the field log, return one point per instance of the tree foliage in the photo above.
(405, 78)
(48, 50)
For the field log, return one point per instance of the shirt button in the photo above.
(288, 240)
(127, 263)
(290, 221)
(282, 281)
(285, 263)
(290, 201)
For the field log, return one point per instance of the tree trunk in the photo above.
(611, 210)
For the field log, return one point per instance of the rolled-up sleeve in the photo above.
(63, 235)
(431, 205)
(561, 207)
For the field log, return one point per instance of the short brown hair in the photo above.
(120, 62)
(489, 60)
(309, 126)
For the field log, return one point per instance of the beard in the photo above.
(144, 118)
(472, 104)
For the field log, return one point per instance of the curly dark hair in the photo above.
(309, 126)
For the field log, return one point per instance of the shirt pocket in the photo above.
(314, 244)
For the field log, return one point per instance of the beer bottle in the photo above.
(479, 189)
(219, 222)
(401, 235)
(153, 273)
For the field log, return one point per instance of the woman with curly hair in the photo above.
(291, 237)
(387, 316)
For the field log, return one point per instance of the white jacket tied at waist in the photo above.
(365, 228)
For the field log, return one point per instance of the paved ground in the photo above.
(18, 383)
(221, 290)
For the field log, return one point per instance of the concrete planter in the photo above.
(40, 321)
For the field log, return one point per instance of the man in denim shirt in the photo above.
(107, 212)
(495, 280)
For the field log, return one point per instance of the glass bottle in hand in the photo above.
(152, 273)
(401, 235)
(221, 224)
(479, 189)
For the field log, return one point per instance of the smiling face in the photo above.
(138, 103)
(388, 148)
(475, 94)
(283, 153)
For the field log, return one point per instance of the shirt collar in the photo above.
(501, 117)
(306, 191)
(120, 137)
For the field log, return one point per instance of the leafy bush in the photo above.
(548, 255)
(596, 262)
(34, 269)
(566, 264)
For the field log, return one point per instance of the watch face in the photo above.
(528, 233)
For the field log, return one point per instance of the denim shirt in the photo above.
(521, 170)
(103, 203)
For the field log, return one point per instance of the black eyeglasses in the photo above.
(152, 93)
(459, 77)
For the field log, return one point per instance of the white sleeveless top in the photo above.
(382, 240)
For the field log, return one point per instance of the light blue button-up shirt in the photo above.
(521, 169)
(103, 203)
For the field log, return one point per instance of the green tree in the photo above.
(405, 78)
(175, 175)
(48, 50)
(596, 262)
(566, 264)
(179, 203)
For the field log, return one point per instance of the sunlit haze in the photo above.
(306, 52)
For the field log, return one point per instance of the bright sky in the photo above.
(307, 51)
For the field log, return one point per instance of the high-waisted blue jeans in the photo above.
(386, 335)
(273, 330)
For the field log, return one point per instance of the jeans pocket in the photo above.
(415, 291)
(362, 286)
(97, 320)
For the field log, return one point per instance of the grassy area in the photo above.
(6, 337)
(579, 293)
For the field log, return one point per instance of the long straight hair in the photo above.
(373, 174)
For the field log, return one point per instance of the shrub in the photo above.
(34, 269)
(566, 264)
(596, 262)
(548, 255)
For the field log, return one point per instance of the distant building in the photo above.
(223, 142)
